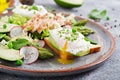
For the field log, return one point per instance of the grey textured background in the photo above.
(110, 70)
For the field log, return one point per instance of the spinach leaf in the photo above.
(18, 43)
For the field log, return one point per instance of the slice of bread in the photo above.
(93, 49)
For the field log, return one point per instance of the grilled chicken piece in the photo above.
(39, 23)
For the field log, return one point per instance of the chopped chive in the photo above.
(35, 8)
(4, 26)
(107, 18)
(60, 35)
(74, 30)
(68, 38)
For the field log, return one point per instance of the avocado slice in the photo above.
(53, 43)
(83, 53)
(10, 54)
(69, 3)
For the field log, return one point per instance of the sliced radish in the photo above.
(16, 31)
(30, 54)
(41, 43)
(67, 26)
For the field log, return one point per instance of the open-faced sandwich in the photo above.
(26, 35)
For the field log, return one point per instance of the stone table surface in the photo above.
(110, 70)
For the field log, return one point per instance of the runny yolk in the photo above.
(63, 55)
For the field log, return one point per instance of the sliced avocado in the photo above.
(83, 53)
(4, 30)
(10, 54)
(53, 42)
(69, 3)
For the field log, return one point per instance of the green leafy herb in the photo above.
(18, 43)
(19, 62)
(96, 14)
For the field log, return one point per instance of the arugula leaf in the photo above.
(18, 43)
(96, 14)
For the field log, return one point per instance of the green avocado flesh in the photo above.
(4, 30)
(53, 43)
(69, 3)
(83, 53)
(10, 54)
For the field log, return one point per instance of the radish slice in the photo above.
(16, 31)
(30, 53)
(67, 26)
(41, 43)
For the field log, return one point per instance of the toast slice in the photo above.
(93, 49)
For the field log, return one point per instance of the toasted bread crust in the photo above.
(93, 49)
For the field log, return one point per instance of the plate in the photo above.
(52, 68)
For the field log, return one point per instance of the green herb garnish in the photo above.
(4, 26)
(74, 30)
(33, 8)
(96, 14)
(107, 18)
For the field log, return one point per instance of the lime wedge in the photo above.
(69, 3)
